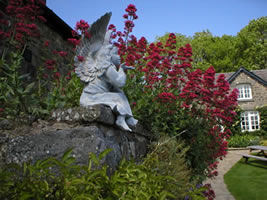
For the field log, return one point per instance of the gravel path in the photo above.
(218, 184)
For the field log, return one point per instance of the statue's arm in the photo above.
(116, 78)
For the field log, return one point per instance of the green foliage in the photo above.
(251, 48)
(168, 159)
(54, 179)
(236, 127)
(63, 93)
(228, 53)
(247, 181)
(263, 120)
(15, 92)
(243, 140)
(213, 51)
(20, 94)
(62, 179)
(263, 142)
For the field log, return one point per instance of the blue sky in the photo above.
(156, 17)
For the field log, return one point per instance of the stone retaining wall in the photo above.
(85, 130)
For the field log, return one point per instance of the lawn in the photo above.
(248, 181)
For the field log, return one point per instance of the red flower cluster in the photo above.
(131, 10)
(62, 53)
(82, 25)
(80, 58)
(50, 64)
(166, 97)
(74, 41)
(130, 16)
(57, 75)
(81, 28)
(23, 17)
(209, 193)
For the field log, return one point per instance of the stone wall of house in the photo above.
(259, 92)
(37, 53)
(56, 43)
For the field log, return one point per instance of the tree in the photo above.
(208, 50)
(251, 46)
(213, 50)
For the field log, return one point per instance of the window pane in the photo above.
(244, 91)
(250, 120)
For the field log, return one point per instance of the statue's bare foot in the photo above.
(122, 123)
(131, 121)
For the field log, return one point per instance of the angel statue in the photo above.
(99, 69)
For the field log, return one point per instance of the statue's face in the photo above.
(115, 58)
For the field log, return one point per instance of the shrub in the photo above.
(62, 179)
(169, 96)
(263, 142)
(263, 120)
(243, 140)
(167, 158)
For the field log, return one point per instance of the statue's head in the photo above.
(115, 58)
(109, 52)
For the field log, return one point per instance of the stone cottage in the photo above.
(252, 86)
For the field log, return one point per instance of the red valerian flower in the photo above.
(131, 9)
(166, 96)
(74, 41)
(62, 53)
(41, 18)
(87, 34)
(82, 25)
(45, 76)
(50, 67)
(112, 27)
(80, 58)
(46, 43)
(125, 16)
(74, 33)
(50, 62)
(57, 75)
(135, 16)
(129, 24)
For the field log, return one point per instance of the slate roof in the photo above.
(258, 75)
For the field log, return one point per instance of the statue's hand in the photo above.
(125, 67)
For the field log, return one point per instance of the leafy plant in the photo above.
(243, 140)
(263, 120)
(167, 158)
(263, 142)
(15, 92)
(62, 179)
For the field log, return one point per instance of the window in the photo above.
(250, 121)
(244, 92)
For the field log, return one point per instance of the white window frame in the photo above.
(250, 121)
(244, 92)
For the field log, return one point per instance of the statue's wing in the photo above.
(88, 48)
